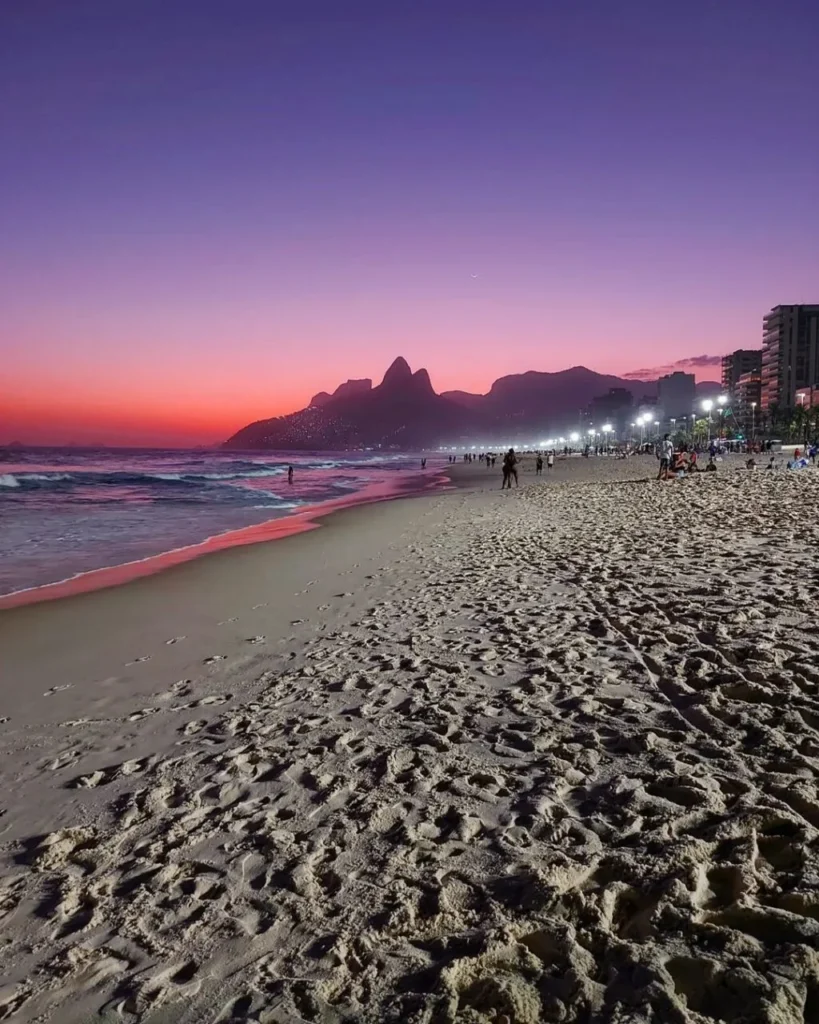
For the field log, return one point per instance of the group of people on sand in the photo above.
(675, 465)
(550, 462)
(510, 467)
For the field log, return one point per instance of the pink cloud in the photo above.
(691, 364)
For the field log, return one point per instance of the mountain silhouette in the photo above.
(404, 411)
(345, 390)
(527, 398)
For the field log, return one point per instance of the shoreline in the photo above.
(307, 518)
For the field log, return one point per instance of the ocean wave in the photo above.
(38, 481)
(281, 505)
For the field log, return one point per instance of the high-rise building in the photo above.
(615, 407)
(745, 400)
(676, 394)
(790, 354)
(735, 364)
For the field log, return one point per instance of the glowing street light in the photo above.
(721, 402)
(708, 405)
(753, 421)
(574, 437)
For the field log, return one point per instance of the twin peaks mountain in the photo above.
(404, 411)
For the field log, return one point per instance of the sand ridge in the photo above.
(561, 767)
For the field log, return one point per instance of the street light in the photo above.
(574, 437)
(721, 401)
(708, 405)
(644, 420)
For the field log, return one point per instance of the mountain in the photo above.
(346, 390)
(533, 396)
(403, 411)
(465, 399)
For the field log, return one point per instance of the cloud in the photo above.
(691, 364)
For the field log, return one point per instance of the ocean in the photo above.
(67, 511)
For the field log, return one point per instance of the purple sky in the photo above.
(211, 210)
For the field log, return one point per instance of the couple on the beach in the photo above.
(510, 469)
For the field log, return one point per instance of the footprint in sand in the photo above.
(262, 605)
(104, 776)
(221, 698)
(224, 622)
(138, 661)
(256, 639)
(137, 716)
(175, 640)
(193, 727)
(63, 760)
(213, 658)
(56, 689)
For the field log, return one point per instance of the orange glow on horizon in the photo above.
(155, 410)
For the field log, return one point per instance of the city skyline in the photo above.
(208, 218)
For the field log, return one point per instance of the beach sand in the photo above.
(485, 757)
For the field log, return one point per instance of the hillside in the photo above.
(403, 411)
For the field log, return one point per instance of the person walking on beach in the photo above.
(510, 463)
(666, 451)
(423, 463)
(550, 460)
(539, 465)
(290, 474)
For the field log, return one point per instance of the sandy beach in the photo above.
(475, 756)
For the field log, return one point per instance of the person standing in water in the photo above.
(290, 474)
